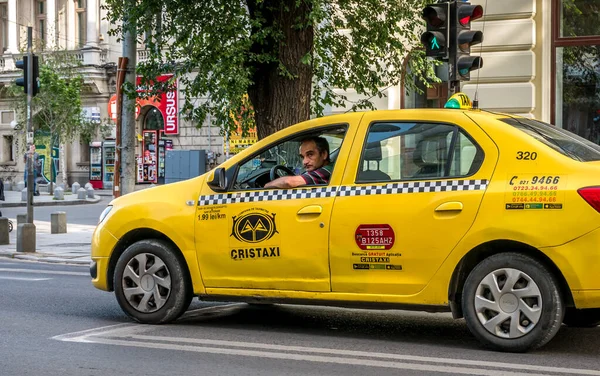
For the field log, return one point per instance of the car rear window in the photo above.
(561, 140)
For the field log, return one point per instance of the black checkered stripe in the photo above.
(413, 187)
(386, 189)
(268, 195)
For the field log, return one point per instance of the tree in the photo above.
(57, 111)
(288, 56)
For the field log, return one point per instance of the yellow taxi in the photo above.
(490, 216)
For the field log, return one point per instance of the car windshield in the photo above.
(561, 140)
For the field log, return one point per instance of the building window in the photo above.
(7, 149)
(84, 152)
(40, 12)
(6, 117)
(576, 52)
(3, 27)
(80, 22)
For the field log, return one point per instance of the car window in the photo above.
(410, 151)
(255, 172)
(561, 140)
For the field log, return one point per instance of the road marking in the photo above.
(314, 358)
(129, 335)
(25, 279)
(35, 271)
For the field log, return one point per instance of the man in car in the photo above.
(314, 152)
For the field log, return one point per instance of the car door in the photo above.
(407, 201)
(256, 238)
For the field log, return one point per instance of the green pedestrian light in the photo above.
(435, 38)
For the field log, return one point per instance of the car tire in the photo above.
(501, 302)
(582, 318)
(152, 283)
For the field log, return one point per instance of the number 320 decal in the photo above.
(526, 155)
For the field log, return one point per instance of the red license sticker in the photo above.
(370, 237)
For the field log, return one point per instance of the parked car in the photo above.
(491, 216)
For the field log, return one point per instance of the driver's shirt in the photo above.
(318, 176)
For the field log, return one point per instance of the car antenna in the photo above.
(475, 97)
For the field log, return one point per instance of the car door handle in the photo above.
(311, 209)
(450, 206)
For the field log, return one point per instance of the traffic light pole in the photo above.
(29, 83)
(453, 88)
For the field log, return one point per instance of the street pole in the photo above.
(122, 68)
(128, 112)
(29, 83)
(26, 237)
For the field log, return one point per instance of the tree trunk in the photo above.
(280, 101)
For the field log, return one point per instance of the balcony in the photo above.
(85, 57)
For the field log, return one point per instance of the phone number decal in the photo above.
(535, 191)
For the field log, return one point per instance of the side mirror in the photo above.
(219, 181)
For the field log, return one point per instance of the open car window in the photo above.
(255, 172)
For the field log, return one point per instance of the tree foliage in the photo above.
(290, 57)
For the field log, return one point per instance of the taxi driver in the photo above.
(314, 152)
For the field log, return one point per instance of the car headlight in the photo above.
(104, 213)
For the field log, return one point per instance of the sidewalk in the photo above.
(13, 199)
(74, 247)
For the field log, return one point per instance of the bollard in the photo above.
(88, 185)
(59, 194)
(4, 238)
(58, 223)
(75, 187)
(26, 237)
(21, 218)
(20, 186)
(24, 194)
(8, 186)
(90, 192)
(81, 194)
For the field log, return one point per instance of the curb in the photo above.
(52, 203)
(41, 257)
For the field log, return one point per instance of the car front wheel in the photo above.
(151, 283)
(582, 318)
(512, 303)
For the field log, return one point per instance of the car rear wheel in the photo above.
(512, 303)
(151, 283)
(582, 318)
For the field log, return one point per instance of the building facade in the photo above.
(540, 60)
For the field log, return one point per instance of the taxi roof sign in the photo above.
(459, 101)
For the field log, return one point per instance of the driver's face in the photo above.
(312, 159)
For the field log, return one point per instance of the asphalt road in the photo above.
(54, 322)
(85, 214)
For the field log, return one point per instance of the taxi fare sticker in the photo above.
(212, 213)
(535, 192)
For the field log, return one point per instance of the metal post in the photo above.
(29, 83)
(122, 67)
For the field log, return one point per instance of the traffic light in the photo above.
(23, 64)
(435, 39)
(462, 38)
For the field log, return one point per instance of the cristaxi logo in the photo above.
(254, 225)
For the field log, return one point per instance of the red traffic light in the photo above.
(468, 13)
(435, 15)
